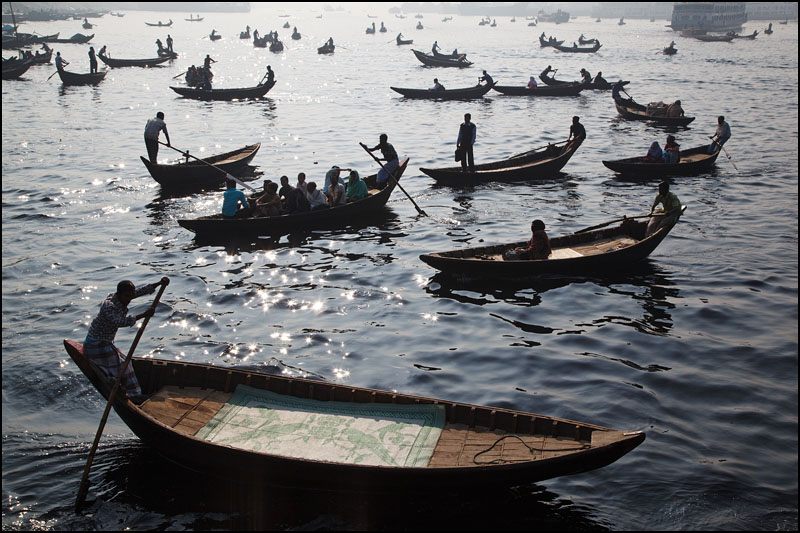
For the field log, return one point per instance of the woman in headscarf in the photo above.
(532, 83)
(654, 154)
(356, 188)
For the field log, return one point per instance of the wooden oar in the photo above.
(179, 75)
(391, 176)
(227, 176)
(726, 153)
(84, 487)
(584, 230)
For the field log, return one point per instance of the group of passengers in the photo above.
(671, 151)
(304, 196)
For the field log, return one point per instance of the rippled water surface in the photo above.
(697, 346)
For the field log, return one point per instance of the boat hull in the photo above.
(468, 93)
(225, 94)
(119, 63)
(193, 174)
(431, 61)
(568, 89)
(340, 216)
(595, 446)
(633, 111)
(693, 161)
(71, 78)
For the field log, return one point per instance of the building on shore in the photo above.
(771, 10)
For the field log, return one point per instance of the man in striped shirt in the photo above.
(99, 344)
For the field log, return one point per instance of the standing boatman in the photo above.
(466, 139)
(92, 60)
(151, 132)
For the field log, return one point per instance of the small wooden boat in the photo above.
(401, 42)
(78, 38)
(188, 398)
(431, 61)
(714, 38)
(582, 252)
(296, 36)
(693, 161)
(161, 24)
(670, 51)
(419, 25)
(276, 46)
(737, 36)
(326, 49)
(633, 111)
(244, 34)
(72, 78)
(287, 25)
(118, 63)
(190, 19)
(215, 36)
(261, 42)
(478, 91)
(333, 217)
(88, 25)
(581, 40)
(621, 21)
(567, 89)
(246, 93)
(577, 49)
(539, 163)
(194, 174)
(547, 42)
(12, 70)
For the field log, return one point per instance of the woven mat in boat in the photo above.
(341, 432)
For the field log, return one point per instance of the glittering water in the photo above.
(697, 346)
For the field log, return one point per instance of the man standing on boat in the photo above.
(390, 156)
(92, 60)
(99, 344)
(466, 139)
(60, 62)
(152, 130)
(169, 43)
(722, 135)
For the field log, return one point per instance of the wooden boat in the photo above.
(225, 94)
(714, 38)
(578, 50)
(737, 36)
(693, 161)
(545, 42)
(186, 396)
(78, 38)
(431, 61)
(191, 19)
(621, 21)
(161, 24)
(539, 163)
(166, 53)
(12, 70)
(244, 34)
(276, 46)
(297, 36)
(261, 42)
(581, 40)
(326, 49)
(401, 42)
(192, 173)
(633, 111)
(88, 25)
(478, 91)
(215, 36)
(339, 216)
(118, 63)
(567, 89)
(72, 78)
(582, 252)
(670, 51)
(547, 80)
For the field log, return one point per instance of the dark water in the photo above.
(696, 346)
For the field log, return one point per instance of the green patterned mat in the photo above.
(341, 432)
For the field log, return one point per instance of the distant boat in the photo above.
(621, 21)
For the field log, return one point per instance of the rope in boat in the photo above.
(530, 448)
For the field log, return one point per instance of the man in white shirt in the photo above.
(151, 132)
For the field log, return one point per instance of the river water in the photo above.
(697, 346)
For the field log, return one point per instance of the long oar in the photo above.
(227, 176)
(391, 176)
(726, 153)
(179, 75)
(584, 230)
(84, 487)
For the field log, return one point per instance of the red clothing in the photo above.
(539, 246)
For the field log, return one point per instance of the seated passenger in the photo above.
(269, 203)
(316, 199)
(231, 200)
(600, 81)
(336, 194)
(672, 150)
(436, 85)
(532, 83)
(675, 110)
(538, 247)
(356, 188)
(654, 154)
